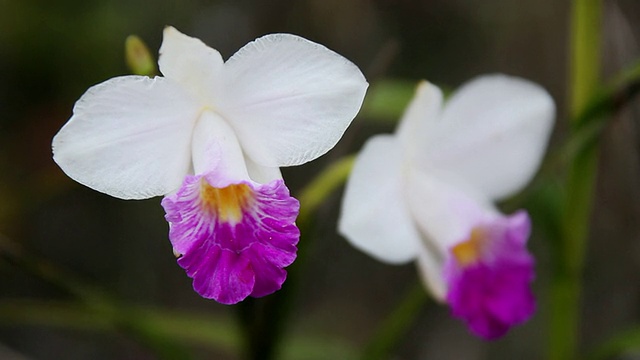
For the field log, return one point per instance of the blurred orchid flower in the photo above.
(211, 136)
(426, 193)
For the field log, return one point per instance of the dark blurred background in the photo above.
(52, 51)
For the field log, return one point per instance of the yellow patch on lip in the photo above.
(228, 202)
(469, 251)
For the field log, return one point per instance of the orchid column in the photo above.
(210, 136)
(426, 193)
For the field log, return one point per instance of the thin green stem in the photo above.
(395, 326)
(566, 282)
(586, 24)
(263, 320)
(314, 194)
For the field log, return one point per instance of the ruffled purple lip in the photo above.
(234, 241)
(490, 275)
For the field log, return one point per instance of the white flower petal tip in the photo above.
(191, 63)
(289, 99)
(428, 90)
(421, 115)
(175, 44)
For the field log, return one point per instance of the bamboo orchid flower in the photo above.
(426, 193)
(210, 136)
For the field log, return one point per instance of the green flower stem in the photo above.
(263, 320)
(566, 282)
(586, 25)
(592, 120)
(393, 329)
(314, 194)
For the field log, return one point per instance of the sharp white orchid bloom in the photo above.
(210, 136)
(426, 193)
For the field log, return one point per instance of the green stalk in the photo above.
(586, 24)
(263, 320)
(314, 194)
(393, 329)
(566, 282)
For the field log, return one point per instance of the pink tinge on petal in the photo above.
(489, 277)
(233, 241)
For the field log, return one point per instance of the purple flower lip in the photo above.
(236, 240)
(490, 277)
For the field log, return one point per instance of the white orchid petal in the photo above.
(262, 174)
(374, 215)
(444, 210)
(420, 117)
(493, 132)
(216, 150)
(190, 62)
(289, 99)
(129, 137)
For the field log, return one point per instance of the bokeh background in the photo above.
(51, 51)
